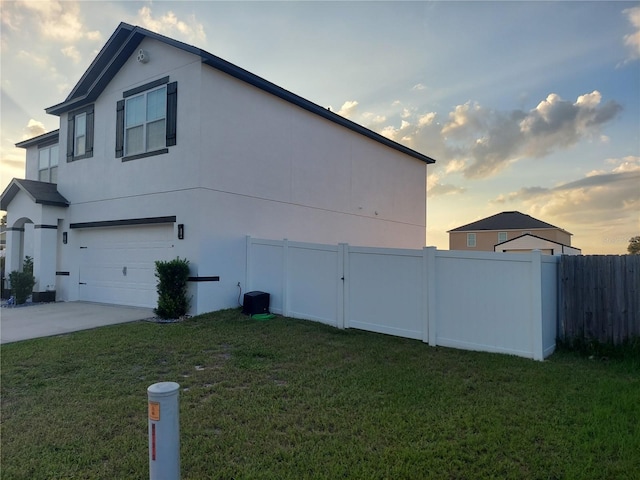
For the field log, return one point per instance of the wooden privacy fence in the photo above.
(599, 298)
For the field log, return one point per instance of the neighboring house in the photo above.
(512, 232)
(165, 151)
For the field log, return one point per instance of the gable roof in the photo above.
(506, 221)
(40, 192)
(537, 238)
(124, 41)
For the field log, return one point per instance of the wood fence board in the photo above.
(599, 297)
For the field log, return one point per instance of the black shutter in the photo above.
(71, 127)
(89, 133)
(120, 129)
(172, 113)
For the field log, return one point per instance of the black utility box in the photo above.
(255, 303)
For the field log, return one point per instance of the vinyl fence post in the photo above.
(286, 274)
(429, 260)
(164, 431)
(536, 305)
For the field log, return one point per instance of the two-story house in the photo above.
(512, 232)
(165, 150)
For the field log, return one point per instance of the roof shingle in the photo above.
(40, 192)
(505, 221)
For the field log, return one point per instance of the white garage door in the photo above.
(117, 265)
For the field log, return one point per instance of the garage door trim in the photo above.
(125, 222)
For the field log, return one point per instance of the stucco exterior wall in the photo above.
(104, 176)
(263, 147)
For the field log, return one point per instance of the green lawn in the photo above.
(290, 399)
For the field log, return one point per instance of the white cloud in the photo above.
(604, 195)
(492, 139)
(372, 119)
(435, 187)
(168, 24)
(348, 108)
(33, 129)
(419, 86)
(390, 132)
(426, 119)
(72, 52)
(55, 20)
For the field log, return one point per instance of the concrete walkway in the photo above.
(47, 319)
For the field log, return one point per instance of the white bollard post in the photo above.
(164, 431)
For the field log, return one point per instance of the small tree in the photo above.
(172, 288)
(22, 282)
(634, 245)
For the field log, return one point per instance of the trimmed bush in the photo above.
(172, 288)
(21, 285)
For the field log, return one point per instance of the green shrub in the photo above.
(27, 265)
(172, 288)
(21, 285)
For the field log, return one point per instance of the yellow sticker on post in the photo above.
(154, 411)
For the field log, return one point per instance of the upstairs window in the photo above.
(502, 237)
(48, 164)
(471, 240)
(80, 134)
(146, 120)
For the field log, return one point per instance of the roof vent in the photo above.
(143, 56)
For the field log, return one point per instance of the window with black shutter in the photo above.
(80, 134)
(146, 120)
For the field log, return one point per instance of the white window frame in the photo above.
(502, 237)
(144, 123)
(80, 134)
(471, 240)
(51, 169)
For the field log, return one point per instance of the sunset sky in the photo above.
(525, 105)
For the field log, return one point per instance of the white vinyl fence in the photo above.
(486, 301)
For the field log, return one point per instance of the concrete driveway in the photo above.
(47, 319)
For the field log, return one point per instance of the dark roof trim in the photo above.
(126, 39)
(40, 192)
(506, 221)
(49, 137)
(125, 222)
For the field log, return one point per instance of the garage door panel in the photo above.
(117, 265)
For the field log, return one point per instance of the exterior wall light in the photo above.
(64, 237)
(181, 231)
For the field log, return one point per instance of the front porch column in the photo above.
(44, 261)
(13, 251)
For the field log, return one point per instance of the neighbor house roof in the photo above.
(506, 221)
(125, 41)
(530, 235)
(40, 192)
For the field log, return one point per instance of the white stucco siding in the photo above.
(261, 146)
(86, 179)
(31, 163)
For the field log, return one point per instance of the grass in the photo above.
(290, 399)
